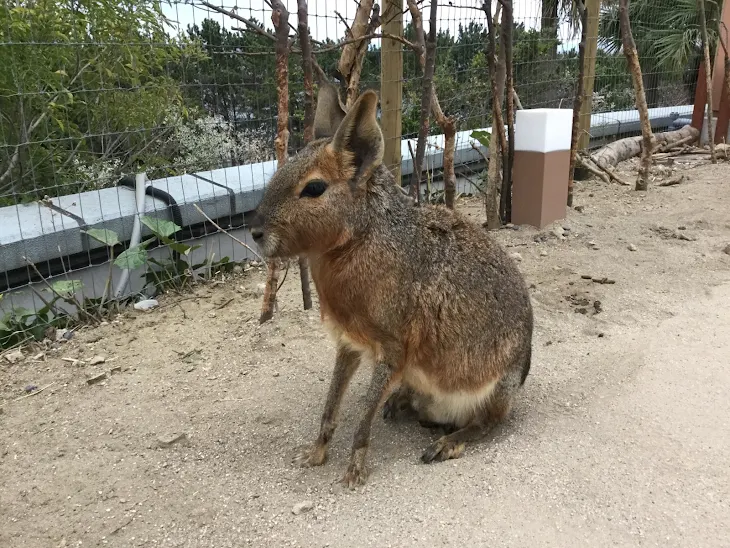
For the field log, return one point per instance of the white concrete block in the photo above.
(543, 129)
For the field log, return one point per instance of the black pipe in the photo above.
(129, 182)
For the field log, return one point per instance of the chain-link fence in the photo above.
(94, 93)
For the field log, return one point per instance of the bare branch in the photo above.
(233, 15)
(348, 30)
(231, 236)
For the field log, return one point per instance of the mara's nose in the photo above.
(257, 234)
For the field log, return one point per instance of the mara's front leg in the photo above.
(346, 364)
(382, 383)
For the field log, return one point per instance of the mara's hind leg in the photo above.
(493, 411)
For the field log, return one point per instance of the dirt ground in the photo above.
(620, 437)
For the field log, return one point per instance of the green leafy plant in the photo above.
(482, 136)
(22, 324)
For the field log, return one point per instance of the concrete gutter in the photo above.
(48, 231)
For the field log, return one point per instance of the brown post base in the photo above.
(539, 189)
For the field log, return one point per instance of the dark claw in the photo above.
(430, 454)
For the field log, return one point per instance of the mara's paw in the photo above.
(311, 456)
(356, 475)
(397, 405)
(443, 449)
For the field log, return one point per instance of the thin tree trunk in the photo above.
(497, 75)
(367, 19)
(447, 123)
(426, 94)
(307, 68)
(708, 78)
(280, 19)
(632, 57)
(578, 100)
(493, 169)
(506, 197)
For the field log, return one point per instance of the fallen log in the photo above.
(614, 153)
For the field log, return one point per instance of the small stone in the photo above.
(96, 360)
(147, 304)
(302, 507)
(632, 247)
(686, 237)
(14, 357)
(96, 378)
(579, 208)
(260, 288)
(31, 388)
(543, 253)
(115, 370)
(211, 314)
(516, 256)
(566, 228)
(275, 374)
(171, 439)
(509, 225)
(238, 270)
(726, 250)
(558, 232)
(682, 227)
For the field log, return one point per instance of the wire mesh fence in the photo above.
(92, 93)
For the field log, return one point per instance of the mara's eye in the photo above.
(314, 189)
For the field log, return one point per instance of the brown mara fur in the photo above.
(428, 298)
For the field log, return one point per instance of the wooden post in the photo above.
(391, 86)
(721, 111)
(593, 8)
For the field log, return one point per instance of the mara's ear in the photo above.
(359, 138)
(329, 114)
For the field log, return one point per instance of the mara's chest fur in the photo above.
(347, 297)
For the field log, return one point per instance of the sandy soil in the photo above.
(620, 438)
